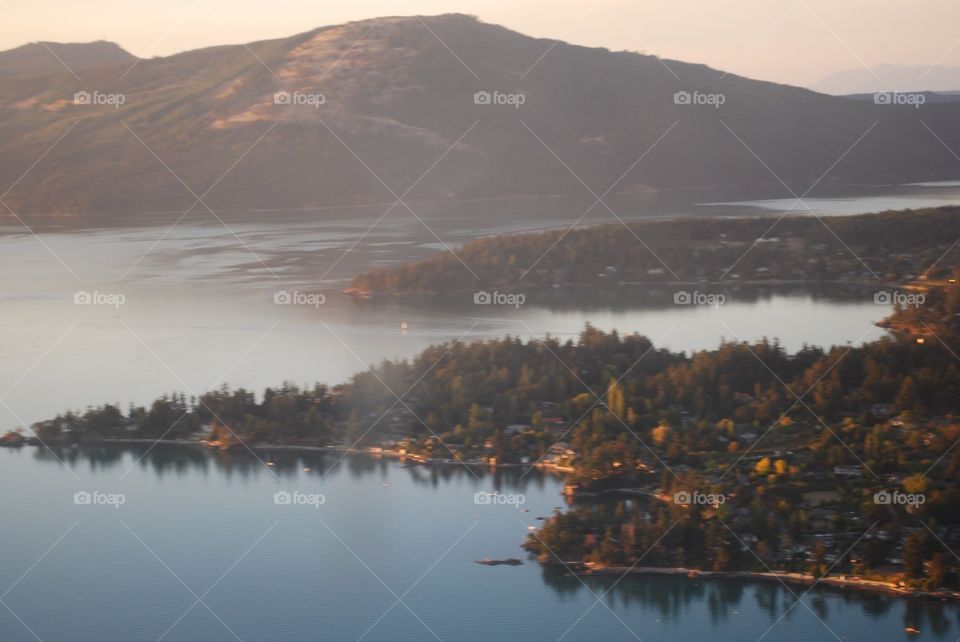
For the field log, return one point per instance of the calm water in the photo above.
(197, 524)
(199, 311)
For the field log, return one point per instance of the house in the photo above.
(881, 409)
(749, 540)
(560, 454)
(848, 471)
(820, 518)
(12, 440)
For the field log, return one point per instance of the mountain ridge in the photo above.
(398, 93)
(53, 57)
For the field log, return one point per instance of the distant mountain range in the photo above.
(928, 96)
(400, 93)
(867, 80)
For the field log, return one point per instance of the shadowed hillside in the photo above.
(399, 92)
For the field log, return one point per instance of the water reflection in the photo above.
(624, 298)
(672, 597)
(289, 463)
(675, 602)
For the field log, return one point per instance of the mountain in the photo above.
(928, 96)
(398, 93)
(867, 80)
(47, 57)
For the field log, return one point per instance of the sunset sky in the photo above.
(793, 41)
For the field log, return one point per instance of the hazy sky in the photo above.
(793, 41)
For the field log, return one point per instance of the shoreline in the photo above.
(374, 452)
(373, 296)
(803, 579)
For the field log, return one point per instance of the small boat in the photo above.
(307, 469)
(912, 630)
